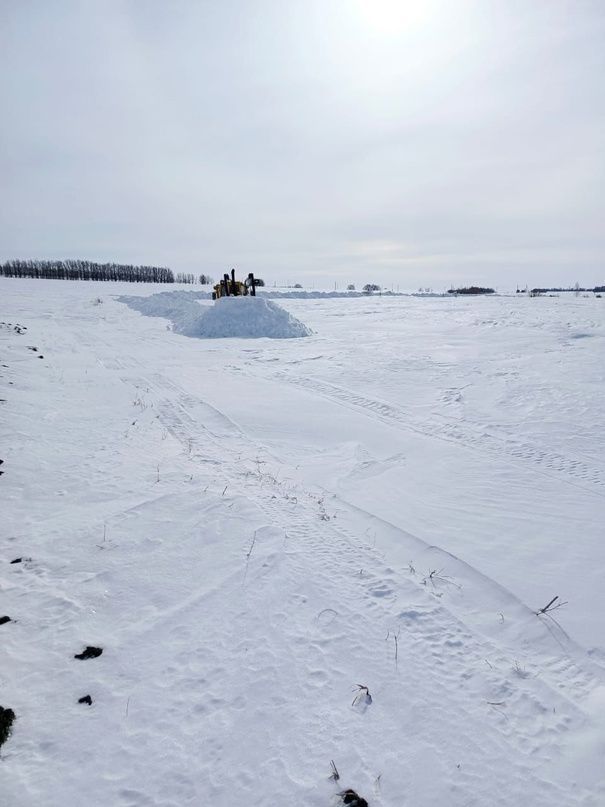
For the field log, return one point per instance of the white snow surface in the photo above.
(249, 530)
(242, 317)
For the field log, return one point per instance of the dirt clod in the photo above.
(7, 718)
(89, 652)
(352, 798)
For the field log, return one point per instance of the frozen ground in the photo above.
(251, 528)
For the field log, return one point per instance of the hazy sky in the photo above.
(392, 141)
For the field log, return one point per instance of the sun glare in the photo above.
(393, 17)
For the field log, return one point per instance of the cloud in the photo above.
(330, 141)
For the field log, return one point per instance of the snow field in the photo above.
(249, 530)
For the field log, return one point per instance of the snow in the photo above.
(242, 317)
(251, 529)
(250, 317)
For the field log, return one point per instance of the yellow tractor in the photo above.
(230, 287)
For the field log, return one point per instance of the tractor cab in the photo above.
(230, 287)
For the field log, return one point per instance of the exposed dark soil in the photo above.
(7, 718)
(352, 798)
(89, 652)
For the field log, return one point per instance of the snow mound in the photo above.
(250, 317)
(180, 307)
(243, 317)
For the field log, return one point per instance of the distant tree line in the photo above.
(577, 288)
(471, 290)
(74, 269)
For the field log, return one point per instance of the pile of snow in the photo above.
(244, 317)
(247, 317)
(180, 307)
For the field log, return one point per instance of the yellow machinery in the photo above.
(230, 287)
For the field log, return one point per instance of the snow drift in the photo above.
(243, 317)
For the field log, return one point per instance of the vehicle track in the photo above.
(576, 471)
(303, 515)
(528, 714)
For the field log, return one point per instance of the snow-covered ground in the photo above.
(250, 528)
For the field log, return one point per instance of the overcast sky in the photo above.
(314, 141)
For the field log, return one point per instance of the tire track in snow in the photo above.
(439, 653)
(226, 438)
(230, 451)
(578, 471)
